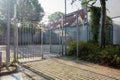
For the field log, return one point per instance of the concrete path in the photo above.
(68, 69)
(16, 76)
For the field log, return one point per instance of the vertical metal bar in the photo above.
(50, 38)
(36, 51)
(112, 28)
(24, 46)
(33, 41)
(62, 34)
(27, 40)
(41, 42)
(34, 55)
(22, 43)
(8, 34)
(28, 43)
(15, 35)
(77, 33)
(24, 39)
(15, 42)
(64, 26)
(59, 41)
(36, 31)
(20, 40)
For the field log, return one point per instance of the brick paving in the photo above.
(68, 69)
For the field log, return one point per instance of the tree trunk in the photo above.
(103, 22)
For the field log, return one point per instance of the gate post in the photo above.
(15, 41)
(15, 34)
(41, 41)
(8, 33)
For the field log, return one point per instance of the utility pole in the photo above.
(8, 33)
(77, 27)
(65, 23)
(62, 34)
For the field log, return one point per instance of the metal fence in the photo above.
(29, 42)
(35, 43)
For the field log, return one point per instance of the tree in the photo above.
(103, 17)
(3, 9)
(103, 22)
(38, 10)
(95, 22)
(29, 10)
(55, 16)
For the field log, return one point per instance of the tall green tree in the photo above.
(95, 22)
(3, 9)
(29, 10)
(38, 10)
(103, 22)
(103, 17)
(55, 16)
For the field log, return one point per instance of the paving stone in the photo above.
(66, 69)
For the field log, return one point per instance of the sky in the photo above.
(51, 6)
(113, 7)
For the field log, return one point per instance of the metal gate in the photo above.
(6, 50)
(23, 39)
(35, 42)
(29, 41)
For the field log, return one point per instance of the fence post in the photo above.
(15, 34)
(15, 41)
(8, 33)
(41, 41)
(50, 39)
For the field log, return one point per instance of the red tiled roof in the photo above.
(69, 18)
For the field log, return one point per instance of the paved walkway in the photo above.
(68, 69)
(16, 76)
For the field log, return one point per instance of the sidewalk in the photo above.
(16, 76)
(68, 69)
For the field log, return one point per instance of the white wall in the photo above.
(72, 32)
(116, 31)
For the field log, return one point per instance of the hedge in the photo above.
(88, 51)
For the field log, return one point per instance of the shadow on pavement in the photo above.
(37, 73)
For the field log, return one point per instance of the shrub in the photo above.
(86, 51)
(89, 51)
(71, 50)
(111, 55)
